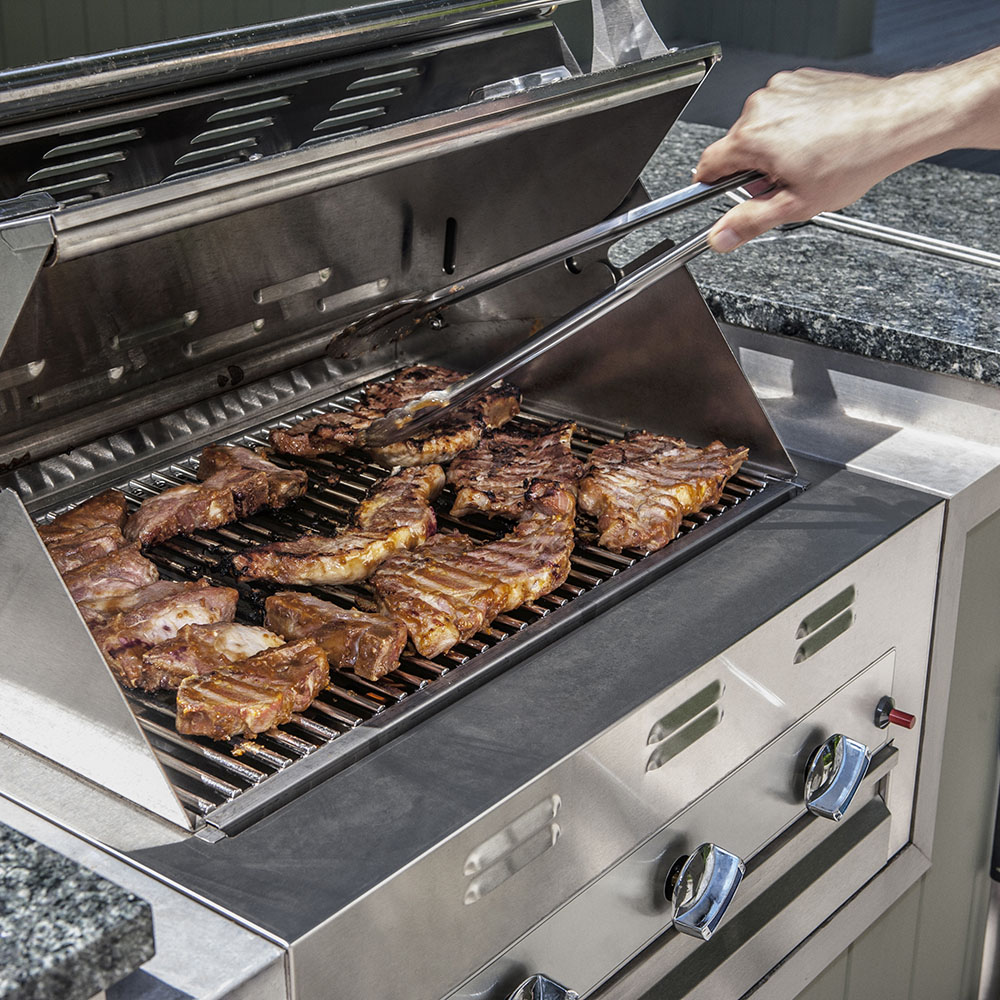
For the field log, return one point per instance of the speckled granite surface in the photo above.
(65, 932)
(852, 293)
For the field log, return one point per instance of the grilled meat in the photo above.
(236, 482)
(86, 546)
(396, 515)
(179, 510)
(494, 476)
(99, 611)
(224, 704)
(119, 572)
(326, 434)
(248, 487)
(127, 636)
(640, 488)
(301, 665)
(283, 485)
(451, 587)
(368, 644)
(254, 695)
(200, 649)
(109, 507)
(457, 431)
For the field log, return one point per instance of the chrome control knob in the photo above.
(540, 987)
(834, 774)
(702, 886)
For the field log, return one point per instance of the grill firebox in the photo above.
(231, 782)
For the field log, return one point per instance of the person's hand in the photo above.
(824, 138)
(817, 136)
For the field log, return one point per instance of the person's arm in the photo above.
(824, 138)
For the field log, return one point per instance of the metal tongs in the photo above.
(418, 413)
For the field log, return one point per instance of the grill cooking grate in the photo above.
(208, 774)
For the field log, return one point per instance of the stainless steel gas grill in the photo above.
(669, 748)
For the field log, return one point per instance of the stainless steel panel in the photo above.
(58, 695)
(784, 897)
(23, 249)
(613, 919)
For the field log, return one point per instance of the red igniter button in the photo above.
(898, 718)
(886, 713)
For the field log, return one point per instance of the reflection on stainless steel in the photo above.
(540, 987)
(703, 889)
(833, 776)
(414, 309)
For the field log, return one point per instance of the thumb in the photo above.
(744, 222)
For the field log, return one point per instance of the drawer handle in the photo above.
(833, 775)
(702, 886)
(540, 987)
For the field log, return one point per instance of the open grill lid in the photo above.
(234, 201)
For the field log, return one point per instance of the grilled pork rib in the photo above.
(85, 546)
(236, 482)
(302, 666)
(283, 485)
(494, 476)
(248, 488)
(119, 572)
(127, 636)
(224, 704)
(396, 515)
(254, 695)
(334, 433)
(640, 488)
(368, 644)
(200, 649)
(99, 611)
(179, 510)
(451, 587)
(109, 507)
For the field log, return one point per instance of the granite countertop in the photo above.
(850, 292)
(65, 932)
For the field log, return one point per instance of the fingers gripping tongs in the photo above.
(418, 413)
